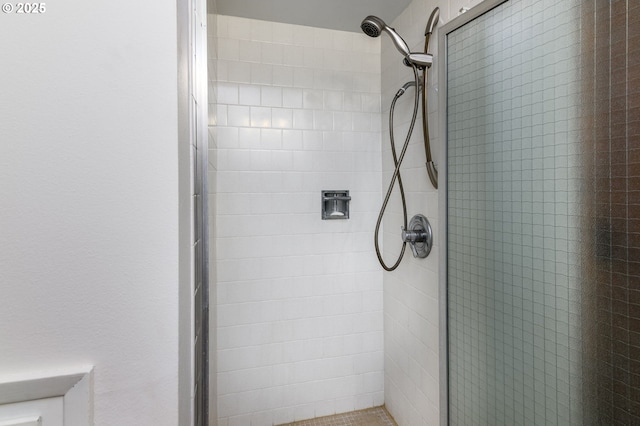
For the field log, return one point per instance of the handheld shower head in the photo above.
(373, 27)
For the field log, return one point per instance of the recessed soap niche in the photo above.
(335, 204)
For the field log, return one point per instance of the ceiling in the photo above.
(345, 15)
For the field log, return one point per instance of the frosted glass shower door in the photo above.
(512, 197)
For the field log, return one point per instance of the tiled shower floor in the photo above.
(377, 416)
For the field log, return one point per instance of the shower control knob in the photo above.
(419, 235)
(413, 236)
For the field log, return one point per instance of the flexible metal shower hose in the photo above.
(396, 173)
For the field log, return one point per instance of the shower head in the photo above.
(374, 26)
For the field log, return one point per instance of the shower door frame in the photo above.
(444, 31)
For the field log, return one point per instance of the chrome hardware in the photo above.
(419, 235)
(335, 205)
(421, 60)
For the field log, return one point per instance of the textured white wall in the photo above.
(299, 299)
(411, 292)
(89, 211)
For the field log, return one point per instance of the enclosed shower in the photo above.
(300, 300)
(526, 309)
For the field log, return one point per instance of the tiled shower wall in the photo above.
(411, 292)
(300, 330)
(300, 300)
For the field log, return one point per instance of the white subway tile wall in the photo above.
(300, 321)
(411, 314)
(300, 304)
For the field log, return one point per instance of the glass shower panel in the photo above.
(514, 191)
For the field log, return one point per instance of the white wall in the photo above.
(411, 292)
(89, 211)
(299, 299)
